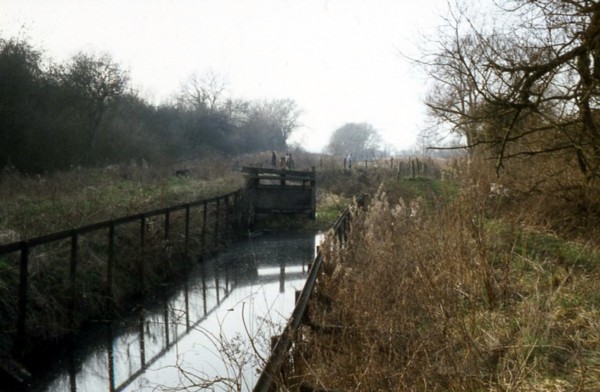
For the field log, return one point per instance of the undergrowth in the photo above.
(34, 206)
(451, 287)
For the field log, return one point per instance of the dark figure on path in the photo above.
(274, 160)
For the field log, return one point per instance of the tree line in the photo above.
(84, 112)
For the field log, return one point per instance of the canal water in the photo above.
(208, 332)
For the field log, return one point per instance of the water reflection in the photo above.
(203, 333)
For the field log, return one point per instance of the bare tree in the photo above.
(204, 92)
(95, 83)
(359, 139)
(267, 125)
(525, 82)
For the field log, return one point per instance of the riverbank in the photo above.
(459, 289)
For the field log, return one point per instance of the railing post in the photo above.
(167, 224)
(187, 229)
(22, 309)
(217, 218)
(73, 278)
(142, 268)
(111, 263)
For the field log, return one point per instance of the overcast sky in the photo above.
(338, 59)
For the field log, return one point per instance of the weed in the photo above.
(468, 295)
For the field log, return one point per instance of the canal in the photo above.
(207, 332)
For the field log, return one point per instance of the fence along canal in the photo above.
(134, 245)
(277, 367)
(124, 256)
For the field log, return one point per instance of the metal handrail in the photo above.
(25, 246)
(61, 235)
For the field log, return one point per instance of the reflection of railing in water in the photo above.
(223, 286)
(145, 364)
(169, 337)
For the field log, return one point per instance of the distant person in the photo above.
(274, 160)
(287, 160)
(349, 161)
(290, 162)
(282, 162)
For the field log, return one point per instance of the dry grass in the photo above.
(473, 294)
(32, 206)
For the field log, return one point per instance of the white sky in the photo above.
(338, 59)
